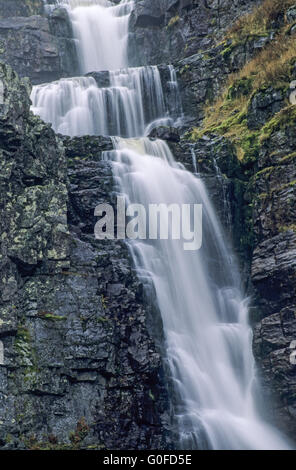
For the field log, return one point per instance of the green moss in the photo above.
(229, 47)
(51, 316)
(26, 353)
(287, 228)
(283, 119)
(288, 185)
(23, 346)
(102, 320)
(104, 302)
(193, 135)
(173, 21)
(151, 395)
(23, 335)
(8, 438)
(265, 172)
(262, 196)
(250, 146)
(240, 87)
(287, 158)
(184, 69)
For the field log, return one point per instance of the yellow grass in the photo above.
(261, 19)
(272, 66)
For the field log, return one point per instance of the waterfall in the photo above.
(130, 106)
(205, 315)
(77, 106)
(101, 32)
(208, 338)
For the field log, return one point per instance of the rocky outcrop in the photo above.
(170, 134)
(245, 150)
(82, 366)
(39, 47)
(21, 8)
(273, 271)
(182, 27)
(202, 77)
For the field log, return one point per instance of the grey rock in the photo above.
(31, 48)
(264, 105)
(21, 8)
(170, 134)
(102, 78)
(195, 26)
(291, 14)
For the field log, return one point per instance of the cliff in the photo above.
(81, 368)
(82, 361)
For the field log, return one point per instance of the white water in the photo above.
(204, 312)
(205, 315)
(76, 106)
(101, 32)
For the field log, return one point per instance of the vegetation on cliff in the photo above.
(269, 72)
(261, 20)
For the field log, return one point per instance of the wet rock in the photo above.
(264, 105)
(148, 14)
(182, 28)
(60, 24)
(273, 272)
(102, 78)
(31, 47)
(170, 134)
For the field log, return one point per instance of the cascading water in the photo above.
(101, 32)
(205, 315)
(77, 106)
(132, 103)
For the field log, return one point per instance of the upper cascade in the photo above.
(130, 104)
(100, 29)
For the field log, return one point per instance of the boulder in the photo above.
(170, 134)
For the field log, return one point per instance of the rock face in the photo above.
(38, 47)
(170, 134)
(273, 271)
(81, 368)
(259, 190)
(182, 27)
(21, 8)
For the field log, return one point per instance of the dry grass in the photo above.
(272, 66)
(228, 114)
(261, 19)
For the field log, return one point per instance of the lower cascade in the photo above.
(204, 313)
(208, 339)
